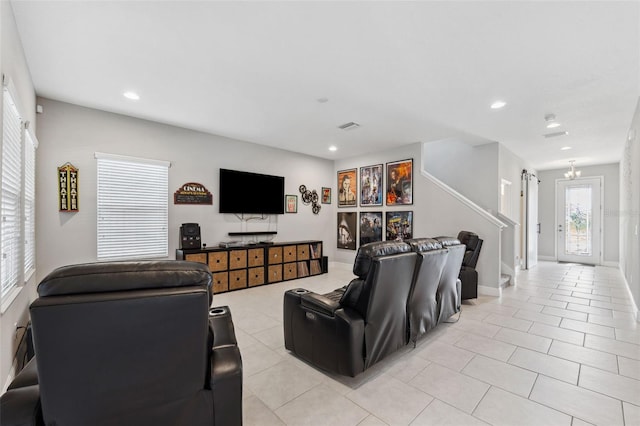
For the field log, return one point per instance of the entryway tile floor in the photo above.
(561, 347)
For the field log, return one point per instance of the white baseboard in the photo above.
(547, 258)
(611, 264)
(489, 291)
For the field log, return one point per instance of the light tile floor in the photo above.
(561, 347)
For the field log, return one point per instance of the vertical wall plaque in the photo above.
(68, 188)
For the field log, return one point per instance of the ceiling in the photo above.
(405, 71)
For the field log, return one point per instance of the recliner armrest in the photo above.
(21, 407)
(319, 304)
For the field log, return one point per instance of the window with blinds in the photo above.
(30, 146)
(133, 207)
(10, 227)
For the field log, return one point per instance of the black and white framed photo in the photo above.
(347, 230)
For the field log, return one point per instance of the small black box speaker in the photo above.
(325, 264)
(190, 236)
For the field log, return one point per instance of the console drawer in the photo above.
(237, 279)
(218, 261)
(255, 257)
(275, 255)
(237, 259)
(275, 273)
(220, 282)
(256, 276)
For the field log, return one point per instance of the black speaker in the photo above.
(325, 264)
(190, 236)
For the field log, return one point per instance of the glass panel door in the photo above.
(579, 220)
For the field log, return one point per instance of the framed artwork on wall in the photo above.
(371, 186)
(326, 195)
(291, 205)
(400, 182)
(347, 188)
(370, 227)
(347, 230)
(399, 225)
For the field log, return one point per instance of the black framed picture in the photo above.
(399, 225)
(347, 188)
(400, 183)
(370, 227)
(347, 230)
(371, 186)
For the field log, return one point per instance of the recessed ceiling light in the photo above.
(131, 95)
(565, 148)
(333, 148)
(498, 104)
(553, 125)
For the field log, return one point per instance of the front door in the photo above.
(579, 220)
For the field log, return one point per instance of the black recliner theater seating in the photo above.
(398, 295)
(128, 343)
(468, 274)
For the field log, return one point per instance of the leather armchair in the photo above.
(128, 343)
(368, 322)
(468, 273)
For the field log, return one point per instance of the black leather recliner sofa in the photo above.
(399, 294)
(128, 343)
(468, 274)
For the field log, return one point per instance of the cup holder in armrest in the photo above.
(300, 291)
(214, 312)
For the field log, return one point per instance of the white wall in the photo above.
(472, 170)
(69, 133)
(14, 66)
(435, 211)
(630, 208)
(611, 200)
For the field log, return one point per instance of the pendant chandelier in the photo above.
(572, 173)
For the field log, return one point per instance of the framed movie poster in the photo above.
(371, 186)
(326, 195)
(400, 183)
(291, 204)
(347, 188)
(347, 230)
(399, 225)
(370, 227)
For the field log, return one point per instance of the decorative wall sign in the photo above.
(192, 193)
(310, 197)
(291, 204)
(326, 195)
(68, 188)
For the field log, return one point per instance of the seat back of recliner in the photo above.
(389, 273)
(473, 245)
(124, 343)
(423, 304)
(449, 288)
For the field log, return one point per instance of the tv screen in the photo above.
(244, 192)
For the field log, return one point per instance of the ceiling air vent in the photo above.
(349, 126)
(555, 134)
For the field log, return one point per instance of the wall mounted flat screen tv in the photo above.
(244, 192)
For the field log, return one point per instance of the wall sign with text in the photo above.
(68, 188)
(192, 193)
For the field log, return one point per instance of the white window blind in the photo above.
(10, 227)
(133, 207)
(30, 146)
